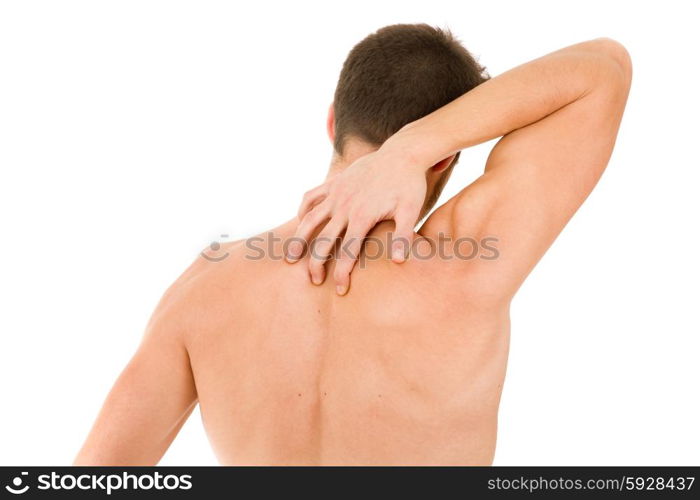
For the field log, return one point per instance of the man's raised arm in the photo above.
(559, 114)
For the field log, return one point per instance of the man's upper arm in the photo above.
(537, 176)
(151, 399)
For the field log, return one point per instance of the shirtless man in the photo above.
(404, 365)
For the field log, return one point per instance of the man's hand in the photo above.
(382, 185)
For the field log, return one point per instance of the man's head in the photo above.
(393, 77)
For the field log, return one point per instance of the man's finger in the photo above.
(322, 247)
(349, 253)
(311, 199)
(309, 223)
(403, 235)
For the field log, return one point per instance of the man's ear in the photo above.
(443, 164)
(330, 123)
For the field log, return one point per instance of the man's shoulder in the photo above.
(223, 270)
(210, 279)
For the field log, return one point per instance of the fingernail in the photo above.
(293, 251)
(341, 289)
(316, 280)
(397, 253)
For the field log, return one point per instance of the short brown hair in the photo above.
(395, 76)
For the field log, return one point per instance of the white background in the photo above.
(134, 133)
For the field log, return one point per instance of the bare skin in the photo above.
(405, 366)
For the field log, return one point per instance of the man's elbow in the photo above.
(617, 56)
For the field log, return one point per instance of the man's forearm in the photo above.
(514, 99)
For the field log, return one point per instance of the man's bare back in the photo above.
(405, 364)
(397, 372)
